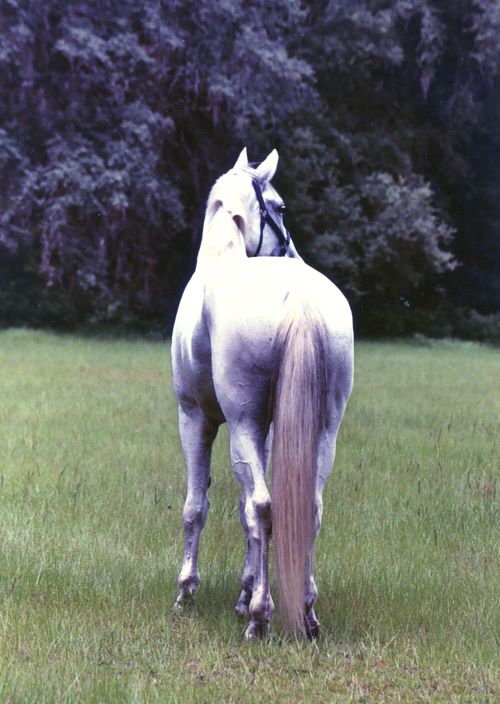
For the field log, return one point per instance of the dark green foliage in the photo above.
(115, 118)
(388, 238)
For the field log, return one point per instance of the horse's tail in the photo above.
(298, 398)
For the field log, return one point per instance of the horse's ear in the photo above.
(267, 169)
(242, 160)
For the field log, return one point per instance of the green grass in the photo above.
(91, 493)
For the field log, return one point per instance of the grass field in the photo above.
(91, 494)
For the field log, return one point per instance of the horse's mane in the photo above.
(215, 216)
(214, 199)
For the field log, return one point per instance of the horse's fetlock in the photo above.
(261, 606)
(263, 509)
(311, 594)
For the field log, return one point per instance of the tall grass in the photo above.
(91, 494)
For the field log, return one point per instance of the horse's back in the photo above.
(244, 312)
(250, 302)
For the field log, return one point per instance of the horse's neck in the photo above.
(221, 240)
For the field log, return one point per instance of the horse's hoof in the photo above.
(312, 633)
(312, 629)
(251, 633)
(183, 601)
(256, 631)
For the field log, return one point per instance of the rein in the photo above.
(265, 218)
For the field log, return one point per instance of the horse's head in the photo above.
(246, 194)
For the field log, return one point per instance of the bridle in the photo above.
(265, 218)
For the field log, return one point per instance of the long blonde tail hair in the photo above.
(298, 398)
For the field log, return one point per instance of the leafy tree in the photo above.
(116, 118)
(120, 111)
(408, 91)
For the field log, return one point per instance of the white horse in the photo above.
(265, 344)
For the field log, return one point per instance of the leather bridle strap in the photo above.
(265, 218)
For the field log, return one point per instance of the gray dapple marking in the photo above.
(265, 344)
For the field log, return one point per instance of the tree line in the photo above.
(117, 116)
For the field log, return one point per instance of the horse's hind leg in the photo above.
(247, 577)
(247, 456)
(311, 590)
(326, 458)
(197, 435)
